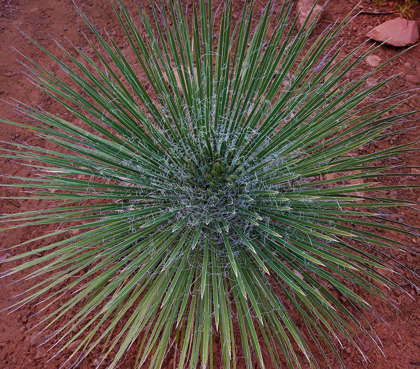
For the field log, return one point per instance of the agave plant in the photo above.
(210, 193)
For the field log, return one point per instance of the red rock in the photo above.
(41, 353)
(74, 345)
(348, 350)
(412, 78)
(373, 60)
(396, 32)
(303, 7)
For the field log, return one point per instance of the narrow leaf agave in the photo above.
(211, 192)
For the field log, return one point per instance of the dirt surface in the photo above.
(399, 329)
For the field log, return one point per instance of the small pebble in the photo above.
(348, 350)
(412, 78)
(74, 345)
(40, 353)
(373, 60)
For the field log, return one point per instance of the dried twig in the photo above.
(374, 12)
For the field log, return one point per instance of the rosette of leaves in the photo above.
(211, 193)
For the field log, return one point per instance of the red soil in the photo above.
(400, 330)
